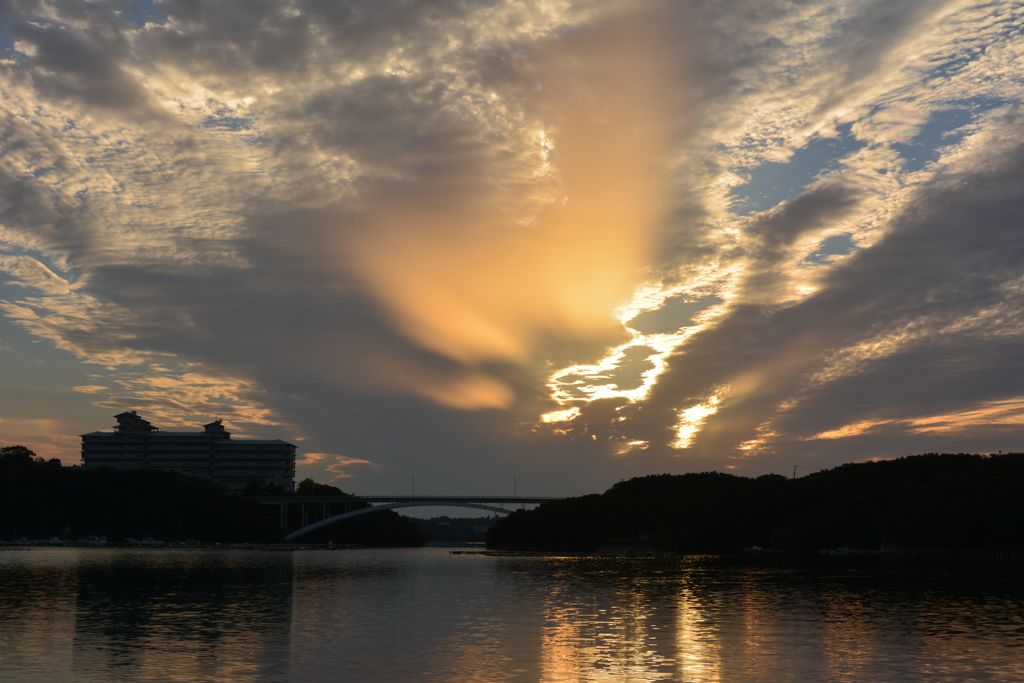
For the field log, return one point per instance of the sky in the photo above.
(497, 245)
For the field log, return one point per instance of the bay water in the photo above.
(424, 614)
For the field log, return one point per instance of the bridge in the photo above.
(354, 506)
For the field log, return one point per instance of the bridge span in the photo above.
(354, 506)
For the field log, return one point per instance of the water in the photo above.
(105, 614)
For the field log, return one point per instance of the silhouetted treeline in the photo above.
(40, 499)
(18, 458)
(951, 502)
(64, 502)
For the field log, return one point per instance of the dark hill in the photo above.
(942, 502)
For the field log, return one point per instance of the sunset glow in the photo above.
(529, 237)
(691, 420)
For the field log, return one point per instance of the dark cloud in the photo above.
(817, 208)
(69, 67)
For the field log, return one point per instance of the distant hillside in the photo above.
(951, 501)
(454, 529)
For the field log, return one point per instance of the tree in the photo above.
(308, 487)
(258, 488)
(18, 458)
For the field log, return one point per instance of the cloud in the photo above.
(477, 275)
(32, 273)
(1009, 412)
(89, 388)
(431, 179)
(336, 468)
(409, 232)
(336, 464)
(65, 65)
(918, 323)
(310, 458)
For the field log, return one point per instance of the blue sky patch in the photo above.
(944, 128)
(833, 246)
(773, 182)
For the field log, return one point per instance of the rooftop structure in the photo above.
(210, 454)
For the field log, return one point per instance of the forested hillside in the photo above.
(950, 501)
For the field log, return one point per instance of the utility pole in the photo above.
(413, 485)
(515, 493)
(803, 468)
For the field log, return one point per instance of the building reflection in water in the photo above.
(37, 601)
(399, 615)
(184, 615)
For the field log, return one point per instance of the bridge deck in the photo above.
(278, 500)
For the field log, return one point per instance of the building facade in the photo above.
(210, 454)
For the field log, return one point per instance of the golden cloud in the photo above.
(477, 282)
(89, 388)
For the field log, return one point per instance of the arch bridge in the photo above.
(353, 506)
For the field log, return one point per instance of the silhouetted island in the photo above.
(950, 503)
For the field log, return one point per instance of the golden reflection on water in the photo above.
(770, 625)
(423, 615)
(847, 634)
(619, 636)
(698, 648)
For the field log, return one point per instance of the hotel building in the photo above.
(210, 454)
